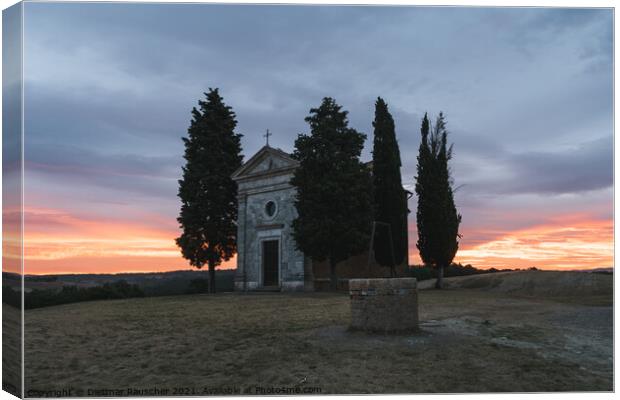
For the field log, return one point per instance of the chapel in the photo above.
(267, 256)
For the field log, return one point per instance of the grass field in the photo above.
(471, 340)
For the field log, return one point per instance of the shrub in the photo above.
(199, 285)
(11, 297)
(422, 273)
(72, 294)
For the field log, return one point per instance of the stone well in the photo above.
(384, 305)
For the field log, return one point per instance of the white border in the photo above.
(476, 3)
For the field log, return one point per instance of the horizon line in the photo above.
(507, 269)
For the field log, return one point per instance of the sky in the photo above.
(527, 93)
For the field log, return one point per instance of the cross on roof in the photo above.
(266, 136)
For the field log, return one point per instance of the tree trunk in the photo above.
(211, 277)
(333, 276)
(439, 283)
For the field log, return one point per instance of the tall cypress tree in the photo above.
(208, 194)
(423, 189)
(333, 200)
(390, 200)
(437, 218)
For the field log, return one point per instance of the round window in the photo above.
(270, 208)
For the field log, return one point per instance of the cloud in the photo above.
(57, 241)
(583, 167)
(589, 166)
(113, 176)
(527, 93)
(587, 244)
(73, 160)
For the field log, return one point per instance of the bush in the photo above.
(421, 272)
(198, 285)
(11, 297)
(72, 294)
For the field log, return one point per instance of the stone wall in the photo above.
(384, 305)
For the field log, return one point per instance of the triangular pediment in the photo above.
(267, 160)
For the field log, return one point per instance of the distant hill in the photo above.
(559, 284)
(423, 273)
(608, 270)
(152, 283)
(47, 290)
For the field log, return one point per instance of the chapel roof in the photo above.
(265, 151)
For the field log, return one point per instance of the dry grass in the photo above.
(471, 341)
(549, 284)
(11, 349)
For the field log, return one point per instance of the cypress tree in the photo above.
(437, 218)
(333, 200)
(390, 200)
(208, 194)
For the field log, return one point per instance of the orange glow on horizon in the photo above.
(57, 242)
(580, 245)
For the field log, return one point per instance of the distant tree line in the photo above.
(11, 297)
(71, 294)
(120, 289)
(424, 272)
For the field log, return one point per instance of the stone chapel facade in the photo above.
(267, 257)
